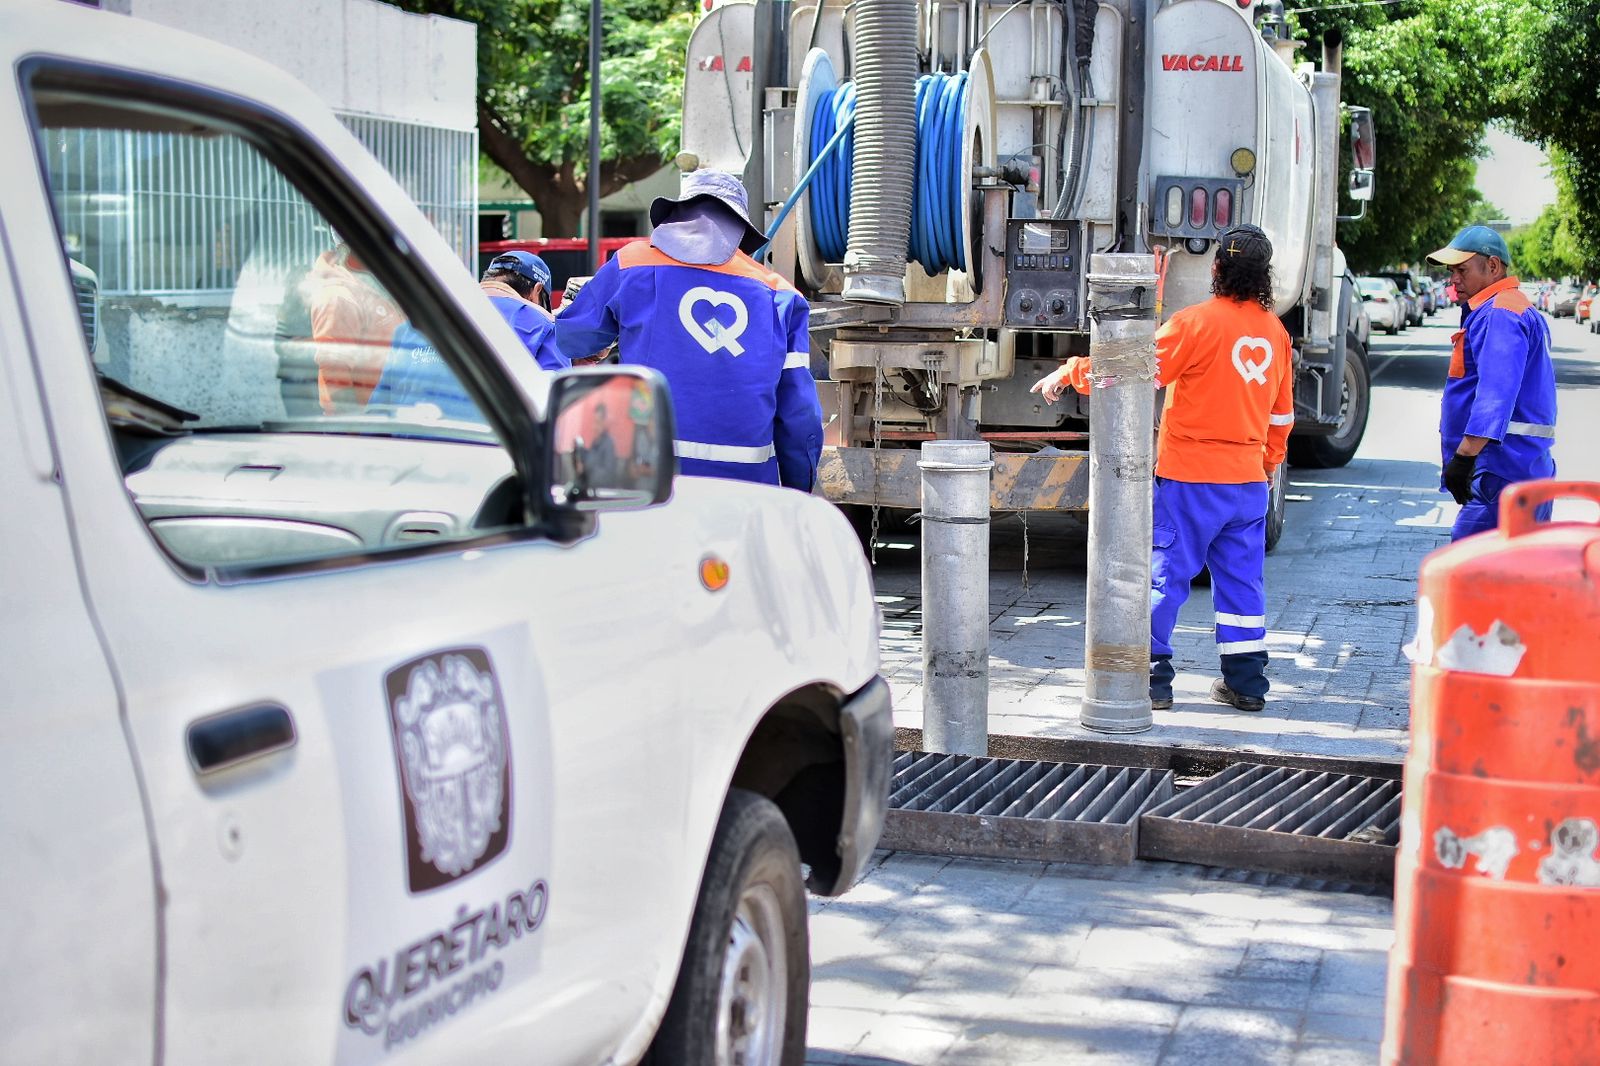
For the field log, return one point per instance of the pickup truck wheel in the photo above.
(744, 984)
(1355, 400)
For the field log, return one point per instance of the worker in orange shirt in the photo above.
(1230, 404)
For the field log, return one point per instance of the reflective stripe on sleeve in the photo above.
(797, 361)
(1282, 420)
(723, 453)
(1235, 647)
(1243, 621)
(1531, 429)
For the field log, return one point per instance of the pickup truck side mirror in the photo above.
(610, 439)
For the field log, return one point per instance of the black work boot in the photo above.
(1223, 694)
(1161, 675)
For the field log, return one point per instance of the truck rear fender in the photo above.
(823, 757)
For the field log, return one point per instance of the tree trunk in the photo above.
(560, 198)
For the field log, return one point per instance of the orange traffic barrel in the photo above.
(1497, 881)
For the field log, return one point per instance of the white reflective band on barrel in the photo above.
(1243, 621)
(1235, 647)
(1531, 429)
(722, 453)
(1282, 420)
(798, 361)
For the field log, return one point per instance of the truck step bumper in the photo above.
(889, 477)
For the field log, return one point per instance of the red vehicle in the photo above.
(568, 257)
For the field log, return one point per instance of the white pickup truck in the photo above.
(346, 722)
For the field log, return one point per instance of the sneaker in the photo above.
(1161, 703)
(1223, 694)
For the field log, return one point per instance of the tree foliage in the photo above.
(1555, 244)
(1554, 99)
(533, 92)
(1434, 74)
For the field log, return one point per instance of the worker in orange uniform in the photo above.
(1225, 428)
(352, 324)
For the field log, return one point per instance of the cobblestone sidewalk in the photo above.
(939, 962)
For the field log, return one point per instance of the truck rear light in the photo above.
(1175, 206)
(1197, 207)
(1224, 208)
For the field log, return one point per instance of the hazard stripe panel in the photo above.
(889, 477)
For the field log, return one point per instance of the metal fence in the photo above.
(165, 214)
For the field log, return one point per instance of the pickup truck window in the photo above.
(271, 401)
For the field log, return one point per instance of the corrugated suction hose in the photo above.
(885, 150)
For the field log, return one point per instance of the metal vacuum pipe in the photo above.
(885, 154)
(955, 596)
(1122, 289)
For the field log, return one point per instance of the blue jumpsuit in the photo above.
(1501, 386)
(732, 341)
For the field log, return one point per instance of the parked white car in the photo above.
(1385, 304)
(431, 732)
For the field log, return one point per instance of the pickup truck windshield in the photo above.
(224, 293)
(270, 400)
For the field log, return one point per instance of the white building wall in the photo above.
(361, 56)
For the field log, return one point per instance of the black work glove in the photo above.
(1458, 476)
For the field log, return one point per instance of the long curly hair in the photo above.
(1244, 266)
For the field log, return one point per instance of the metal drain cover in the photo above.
(1308, 823)
(1018, 808)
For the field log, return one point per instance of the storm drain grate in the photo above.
(1018, 808)
(1308, 823)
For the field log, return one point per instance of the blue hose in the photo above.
(936, 199)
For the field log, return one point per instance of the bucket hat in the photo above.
(718, 185)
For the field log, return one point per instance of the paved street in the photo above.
(938, 961)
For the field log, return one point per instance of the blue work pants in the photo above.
(1482, 512)
(1223, 527)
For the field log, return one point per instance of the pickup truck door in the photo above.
(339, 644)
(73, 828)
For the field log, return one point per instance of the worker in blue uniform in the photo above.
(518, 284)
(730, 336)
(1497, 422)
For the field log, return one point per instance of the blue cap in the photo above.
(724, 188)
(525, 264)
(1474, 240)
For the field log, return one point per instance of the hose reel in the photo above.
(954, 137)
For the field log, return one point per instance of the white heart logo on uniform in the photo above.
(1248, 369)
(712, 334)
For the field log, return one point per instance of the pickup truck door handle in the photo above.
(219, 741)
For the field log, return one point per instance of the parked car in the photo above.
(1385, 304)
(1430, 302)
(454, 731)
(1441, 294)
(1583, 309)
(1410, 291)
(1564, 301)
(1360, 321)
